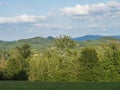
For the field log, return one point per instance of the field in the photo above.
(24, 85)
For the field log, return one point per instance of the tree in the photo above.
(64, 42)
(112, 62)
(2, 65)
(89, 65)
(50, 65)
(44, 66)
(17, 64)
(14, 64)
(25, 50)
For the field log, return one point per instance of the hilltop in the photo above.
(38, 43)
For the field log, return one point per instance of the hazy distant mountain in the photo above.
(101, 41)
(93, 37)
(50, 37)
(118, 37)
(38, 43)
(1, 41)
(87, 37)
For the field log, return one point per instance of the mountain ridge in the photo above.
(94, 37)
(81, 38)
(39, 43)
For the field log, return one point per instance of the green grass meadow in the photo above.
(26, 85)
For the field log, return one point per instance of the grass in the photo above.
(26, 85)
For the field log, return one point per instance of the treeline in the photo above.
(65, 61)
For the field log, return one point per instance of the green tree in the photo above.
(17, 64)
(25, 50)
(2, 65)
(89, 63)
(64, 42)
(14, 64)
(43, 66)
(50, 65)
(112, 62)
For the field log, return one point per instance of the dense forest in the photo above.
(63, 60)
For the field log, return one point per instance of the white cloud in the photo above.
(93, 9)
(77, 10)
(22, 18)
(39, 25)
(52, 26)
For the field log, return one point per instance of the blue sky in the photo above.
(29, 18)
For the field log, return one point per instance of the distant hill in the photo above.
(50, 37)
(39, 43)
(93, 37)
(87, 37)
(36, 43)
(101, 41)
(35, 40)
(1, 41)
(118, 37)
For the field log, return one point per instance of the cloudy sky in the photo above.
(29, 18)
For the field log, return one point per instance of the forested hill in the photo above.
(38, 43)
(94, 37)
(101, 41)
(63, 60)
(35, 43)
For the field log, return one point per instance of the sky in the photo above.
(20, 19)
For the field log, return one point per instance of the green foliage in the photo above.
(36, 43)
(3, 58)
(112, 62)
(16, 66)
(89, 63)
(13, 65)
(65, 60)
(64, 42)
(102, 41)
(42, 67)
(50, 65)
(25, 50)
(55, 64)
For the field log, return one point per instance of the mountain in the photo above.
(35, 40)
(50, 37)
(118, 37)
(39, 43)
(36, 43)
(87, 37)
(101, 41)
(93, 37)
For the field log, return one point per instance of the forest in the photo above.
(64, 60)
